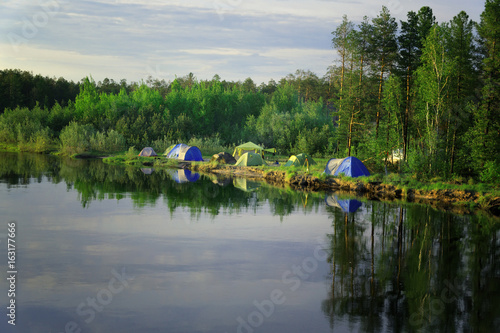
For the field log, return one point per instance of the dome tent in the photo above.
(250, 159)
(184, 152)
(349, 166)
(300, 160)
(148, 152)
(168, 150)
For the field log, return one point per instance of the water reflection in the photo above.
(181, 176)
(390, 267)
(245, 184)
(410, 268)
(178, 188)
(147, 171)
(347, 205)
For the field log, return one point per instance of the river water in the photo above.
(102, 248)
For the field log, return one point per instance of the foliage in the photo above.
(75, 138)
(491, 172)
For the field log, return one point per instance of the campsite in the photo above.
(250, 167)
(305, 173)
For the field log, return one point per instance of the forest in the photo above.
(425, 91)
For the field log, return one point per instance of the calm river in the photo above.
(102, 248)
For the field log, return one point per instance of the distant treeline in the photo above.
(427, 90)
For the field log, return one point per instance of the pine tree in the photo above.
(486, 131)
(384, 50)
(409, 60)
(464, 80)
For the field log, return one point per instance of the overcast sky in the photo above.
(236, 39)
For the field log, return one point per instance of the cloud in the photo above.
(233, 38)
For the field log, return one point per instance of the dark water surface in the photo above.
(104, 248)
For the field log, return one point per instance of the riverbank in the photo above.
(461, 198)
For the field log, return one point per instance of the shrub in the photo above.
(41, 140)
(131, 153)
(75, 138)
(491, 172)
(6, 134)
(209, 146)
(161, 145)
(110, 142)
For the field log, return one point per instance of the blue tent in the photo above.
(182, 176)
(346, 205)
(349, 166)
(184, 152)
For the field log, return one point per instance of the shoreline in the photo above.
(453, 200)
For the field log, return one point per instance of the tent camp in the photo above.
(349, 166)
(346, 205)
(300, 160)
(184, 152)
(148, 151)
(250, 147)
(250, 159)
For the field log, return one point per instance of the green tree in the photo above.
(485, 134)
(341, 41)
(433, 83)
(409, 59)
(384, 51)
(463, 83)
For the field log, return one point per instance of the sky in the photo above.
(235, 39)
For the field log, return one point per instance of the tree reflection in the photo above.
(179, 189)
(410, 268)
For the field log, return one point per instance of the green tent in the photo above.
(248, 147)
(250, 159)
(300, 160)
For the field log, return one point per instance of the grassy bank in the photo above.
(406, 183)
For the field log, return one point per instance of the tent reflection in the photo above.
(346, 205)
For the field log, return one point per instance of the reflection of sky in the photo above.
(190, 275)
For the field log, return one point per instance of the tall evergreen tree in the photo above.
(464, 80)
(341, 42)
(425, 22)
(486, 130)
(384, 50)
(409, 60)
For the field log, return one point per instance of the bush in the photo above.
(75, 138)
(209, 146)
(6, 134)
(161, 145)
(491, 172)
(112, 142)
(41, 140)
(131, 153)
